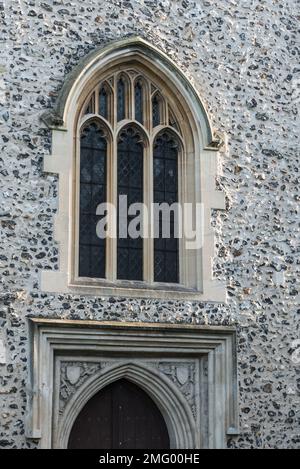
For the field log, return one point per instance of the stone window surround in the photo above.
(62, 120)
(72, 360)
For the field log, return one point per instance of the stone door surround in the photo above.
(189, 372)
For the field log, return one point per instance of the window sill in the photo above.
(58, 282)
(134, 289)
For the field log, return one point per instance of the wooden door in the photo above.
(120, 416)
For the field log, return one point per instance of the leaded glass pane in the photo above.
(103, 103)
(138, 94)
(130, 183)
(172, 121)
(121, 103)
(165, 180)
(90, 107)
(93, 151)
(156, 111)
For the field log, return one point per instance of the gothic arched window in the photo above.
(139, 137)
(93, 180)
(129, 126)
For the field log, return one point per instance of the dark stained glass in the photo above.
(103, 103)
(156, 111)
(121, 99)
(165, 180)
(138, 94)
(173, 121)
(93, 153)
(130, 183)
(90, 107)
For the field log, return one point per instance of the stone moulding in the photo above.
(72, 360)
(57, 118)
(62, 121)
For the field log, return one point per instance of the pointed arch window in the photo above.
(131, 160)
(157, 109)
(93, 162)
(165, 183)
(139, 101)
(103, 102)
(131, 124)
(130, 164)
(122, 87)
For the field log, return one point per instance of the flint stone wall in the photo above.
(242, 56)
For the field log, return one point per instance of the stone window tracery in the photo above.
(131, 86)
(140, 108)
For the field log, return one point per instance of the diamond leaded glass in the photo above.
(126, 93)
(103, 103)
(130, 183)
(165, 180)
(156, 108)
(93, 151)
(121, 99)
(138, 94)
(172, 121)
(90, 107)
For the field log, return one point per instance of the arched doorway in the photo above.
(120, 416)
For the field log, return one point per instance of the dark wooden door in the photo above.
(120, 416)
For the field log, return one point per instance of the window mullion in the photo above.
(111, 251)
(96, 100)
(112, 184)
(182, 185)
(163, 111)
(77, 207)
(148, 223)
(147, 106)
(130, 101)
